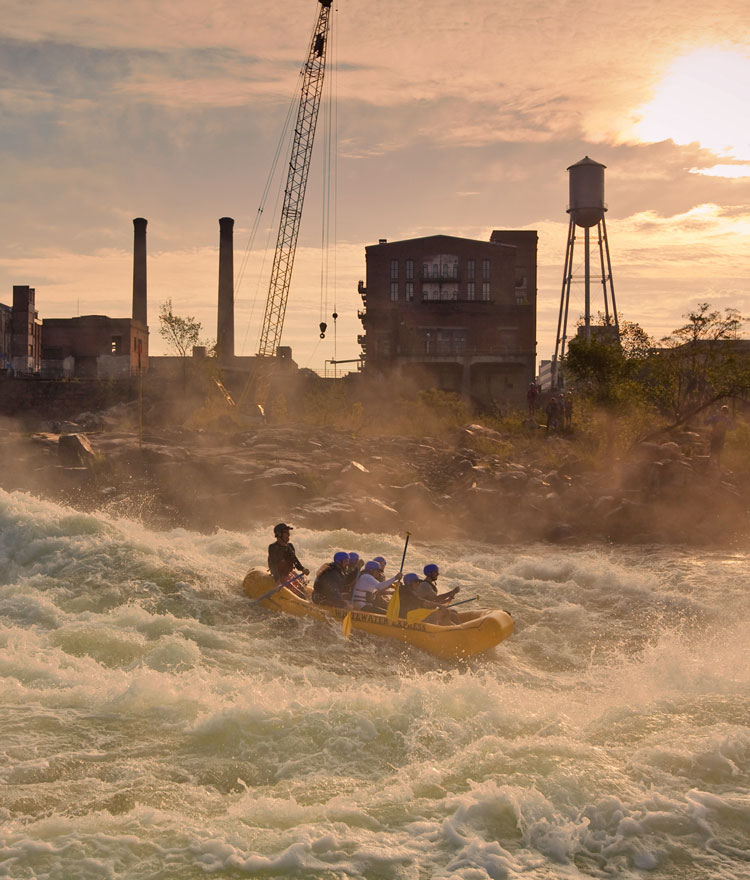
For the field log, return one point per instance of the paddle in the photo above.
(392, 611)
(403, 557)
(463, 602)
(276, 589)
(346, 623)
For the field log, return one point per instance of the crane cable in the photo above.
(330, 187)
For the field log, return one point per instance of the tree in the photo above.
(607, 367)
(700, 363)
(181, 334)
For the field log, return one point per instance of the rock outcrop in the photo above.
(469, 488)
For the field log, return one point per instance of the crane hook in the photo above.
(323, 327)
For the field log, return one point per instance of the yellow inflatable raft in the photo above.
(477, 632)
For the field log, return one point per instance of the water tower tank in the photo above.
(587, 204)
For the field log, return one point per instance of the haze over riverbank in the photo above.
(470, 483)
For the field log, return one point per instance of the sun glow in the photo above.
(704, 97)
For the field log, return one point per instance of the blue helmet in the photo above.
(411, 577)
(431, 569)
(341, 557)
(372, 565)
(380, 561)
(353, 558)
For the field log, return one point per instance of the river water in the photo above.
(154, 725)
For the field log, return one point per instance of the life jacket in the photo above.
(361, 593)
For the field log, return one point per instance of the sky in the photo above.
(438, 118)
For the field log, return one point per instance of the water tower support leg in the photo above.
(604, 274)
(609, 276)
(562, 319)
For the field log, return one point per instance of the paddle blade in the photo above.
(394, 605)
(346, 625)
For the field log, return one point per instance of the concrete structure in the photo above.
(225, 318)
(140, 298)
(20, 333)
(453, 313)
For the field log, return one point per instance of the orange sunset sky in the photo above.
(450, 117)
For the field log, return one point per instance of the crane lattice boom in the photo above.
(296, 183)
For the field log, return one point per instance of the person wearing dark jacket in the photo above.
(330, 584)
(282, 558)
(420, 600)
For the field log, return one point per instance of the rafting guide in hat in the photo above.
(282, 558)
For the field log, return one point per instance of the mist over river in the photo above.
(155, 725)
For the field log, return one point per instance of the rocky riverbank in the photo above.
(455, 488)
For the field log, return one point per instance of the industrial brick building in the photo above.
(453, 313)
(95, 347)
(20, 333)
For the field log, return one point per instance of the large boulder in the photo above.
(74, 450)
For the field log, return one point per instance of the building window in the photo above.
(409, 291)
(394, 291)
(485, 269)
(470, 268)
(444, 341)
(485, 290)
(410, 268)
(116, 343)
(470, 292)
(394, 268)
(521, 287)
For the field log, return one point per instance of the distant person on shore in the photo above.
(368, 593)
(531, 398)
(330, 584)
(552, 411)
(567, 401)
(282, 558)
(720, 422)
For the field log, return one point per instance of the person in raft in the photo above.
(419, 599)
(353, 571)
(369, 588)
(330, 584)
(380, 575)
(282, 558)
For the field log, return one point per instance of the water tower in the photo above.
(586, 208)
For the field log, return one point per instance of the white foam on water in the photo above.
(154, 724)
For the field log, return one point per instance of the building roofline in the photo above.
(486, 241)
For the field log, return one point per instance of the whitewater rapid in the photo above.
(155, 725)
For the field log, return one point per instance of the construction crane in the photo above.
(296, 183)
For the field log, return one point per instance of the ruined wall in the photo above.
(39, 399)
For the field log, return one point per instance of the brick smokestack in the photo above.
(140, 302)
(225, 322)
